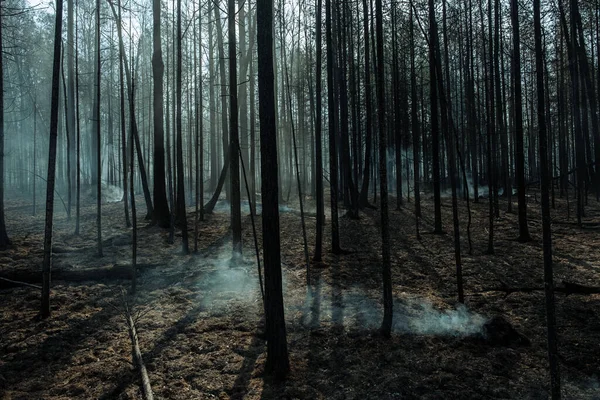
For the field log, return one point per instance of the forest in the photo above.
(299, 199)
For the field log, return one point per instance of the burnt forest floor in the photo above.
(200, 317)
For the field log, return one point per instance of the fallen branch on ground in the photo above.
(19, 283)
(31, 277)
(136, 354)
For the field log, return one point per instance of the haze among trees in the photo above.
(300, 199)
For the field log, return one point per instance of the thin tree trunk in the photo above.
(98, 138)
(50, 182)
(386, 325)
(318, 138)
(180, 199)
(546, 218)
(234, 136)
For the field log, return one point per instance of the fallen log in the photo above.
(137, 359)
(567, 288)
(31, 277)
(19, 283)
(136, 354)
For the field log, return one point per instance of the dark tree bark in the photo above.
(581, 170)
(45, 306)
(4, 240)
(223, 91)
(161, 213)
(546, 218)
(78, 120)
(397, 113)
(70, 106)
(448, 129)
(97, 132)
(588, 90)
(386, 325)
(123, 133)
(136, 139)
(332, 115)
(277, 354)
(180, 199)
(416, 131)
(234, 137)
(368, 111)
(319, 139)
(435, 133)
(518, 118)
(133, 210)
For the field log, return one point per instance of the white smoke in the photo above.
(353, 309)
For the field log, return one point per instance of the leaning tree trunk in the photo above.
(45, 307)
(136, 138)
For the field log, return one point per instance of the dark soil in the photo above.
(200, 320)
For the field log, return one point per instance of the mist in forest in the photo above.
(223, 206)
(227, 279)
(414, 315)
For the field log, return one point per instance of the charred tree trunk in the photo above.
(518, 118)
(45, 306)
(386, 325)
(319, 140)
(332, 115)
(234, 136)
(546, 218)
(161, 214)
(180, 198)
(277, 354)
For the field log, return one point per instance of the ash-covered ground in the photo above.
(200, 315)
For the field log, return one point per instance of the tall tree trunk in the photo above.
(518, 118)
(78, 120)
(386, 325)
(224, 130)
(234, 137)
(123, 133)
(4, 240)
(161, 213)
(70, 98)
(416, 131)
(136, 138)
(98, 138)
(214, 157)
(318, 139)
(277, 354)
(546, 218)
(50, 181)
(435, 134)
(180, 198)
(397, 112)
(368, 111)
(332, 115)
